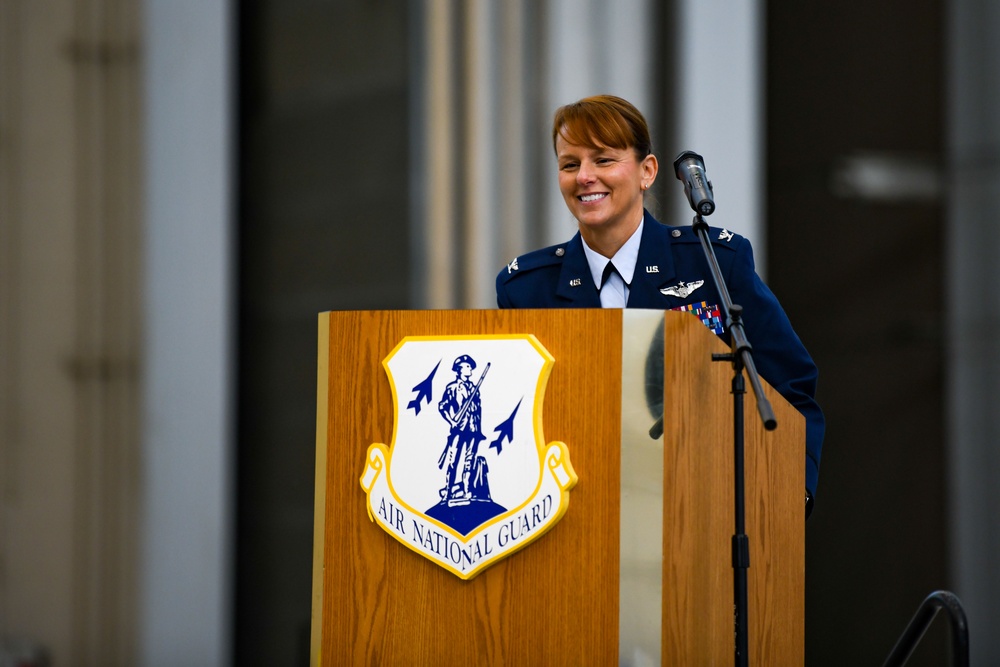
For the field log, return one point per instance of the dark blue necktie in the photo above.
(616, 296)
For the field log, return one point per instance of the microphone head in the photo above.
(690, 170)
(685, 158)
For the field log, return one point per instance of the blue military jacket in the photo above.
(671, 272)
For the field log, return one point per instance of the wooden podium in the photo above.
(573, 596)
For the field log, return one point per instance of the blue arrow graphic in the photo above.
(423, 391)
(506, 430)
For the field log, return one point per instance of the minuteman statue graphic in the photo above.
(462, 408)
(465, 471)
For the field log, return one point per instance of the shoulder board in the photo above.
(535, 259)
(717, 235)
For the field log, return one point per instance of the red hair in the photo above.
(603, 120)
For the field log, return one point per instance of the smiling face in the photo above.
(603, 187)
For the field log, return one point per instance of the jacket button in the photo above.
(560, 252)
(676, 233)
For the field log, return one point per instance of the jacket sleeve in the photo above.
(779, 355)
(503, 301)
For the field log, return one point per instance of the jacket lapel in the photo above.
(576, 285)
(654, 268)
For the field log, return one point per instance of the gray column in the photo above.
(187, 361)
(973, 362)
(720, 84)
(433, 156)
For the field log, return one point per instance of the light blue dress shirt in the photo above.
(614, 293)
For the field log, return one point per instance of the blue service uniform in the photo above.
(669, 267)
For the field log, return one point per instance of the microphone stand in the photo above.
(741, 359)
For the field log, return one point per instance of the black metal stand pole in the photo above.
(742, 360)
(741, 543)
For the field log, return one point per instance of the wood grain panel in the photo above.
(698, 511)
(554, 602)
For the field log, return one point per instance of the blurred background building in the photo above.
(185, 184)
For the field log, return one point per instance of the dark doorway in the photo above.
(861, 275)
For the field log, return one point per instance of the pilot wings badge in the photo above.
(467, 479)
(682, 290)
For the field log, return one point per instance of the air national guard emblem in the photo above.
(468, 478)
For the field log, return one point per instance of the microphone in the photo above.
(690, 169)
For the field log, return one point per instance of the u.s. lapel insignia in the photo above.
(726, 235)
(682, 290)
(468, 478)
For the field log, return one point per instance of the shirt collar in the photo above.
(624, 260)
